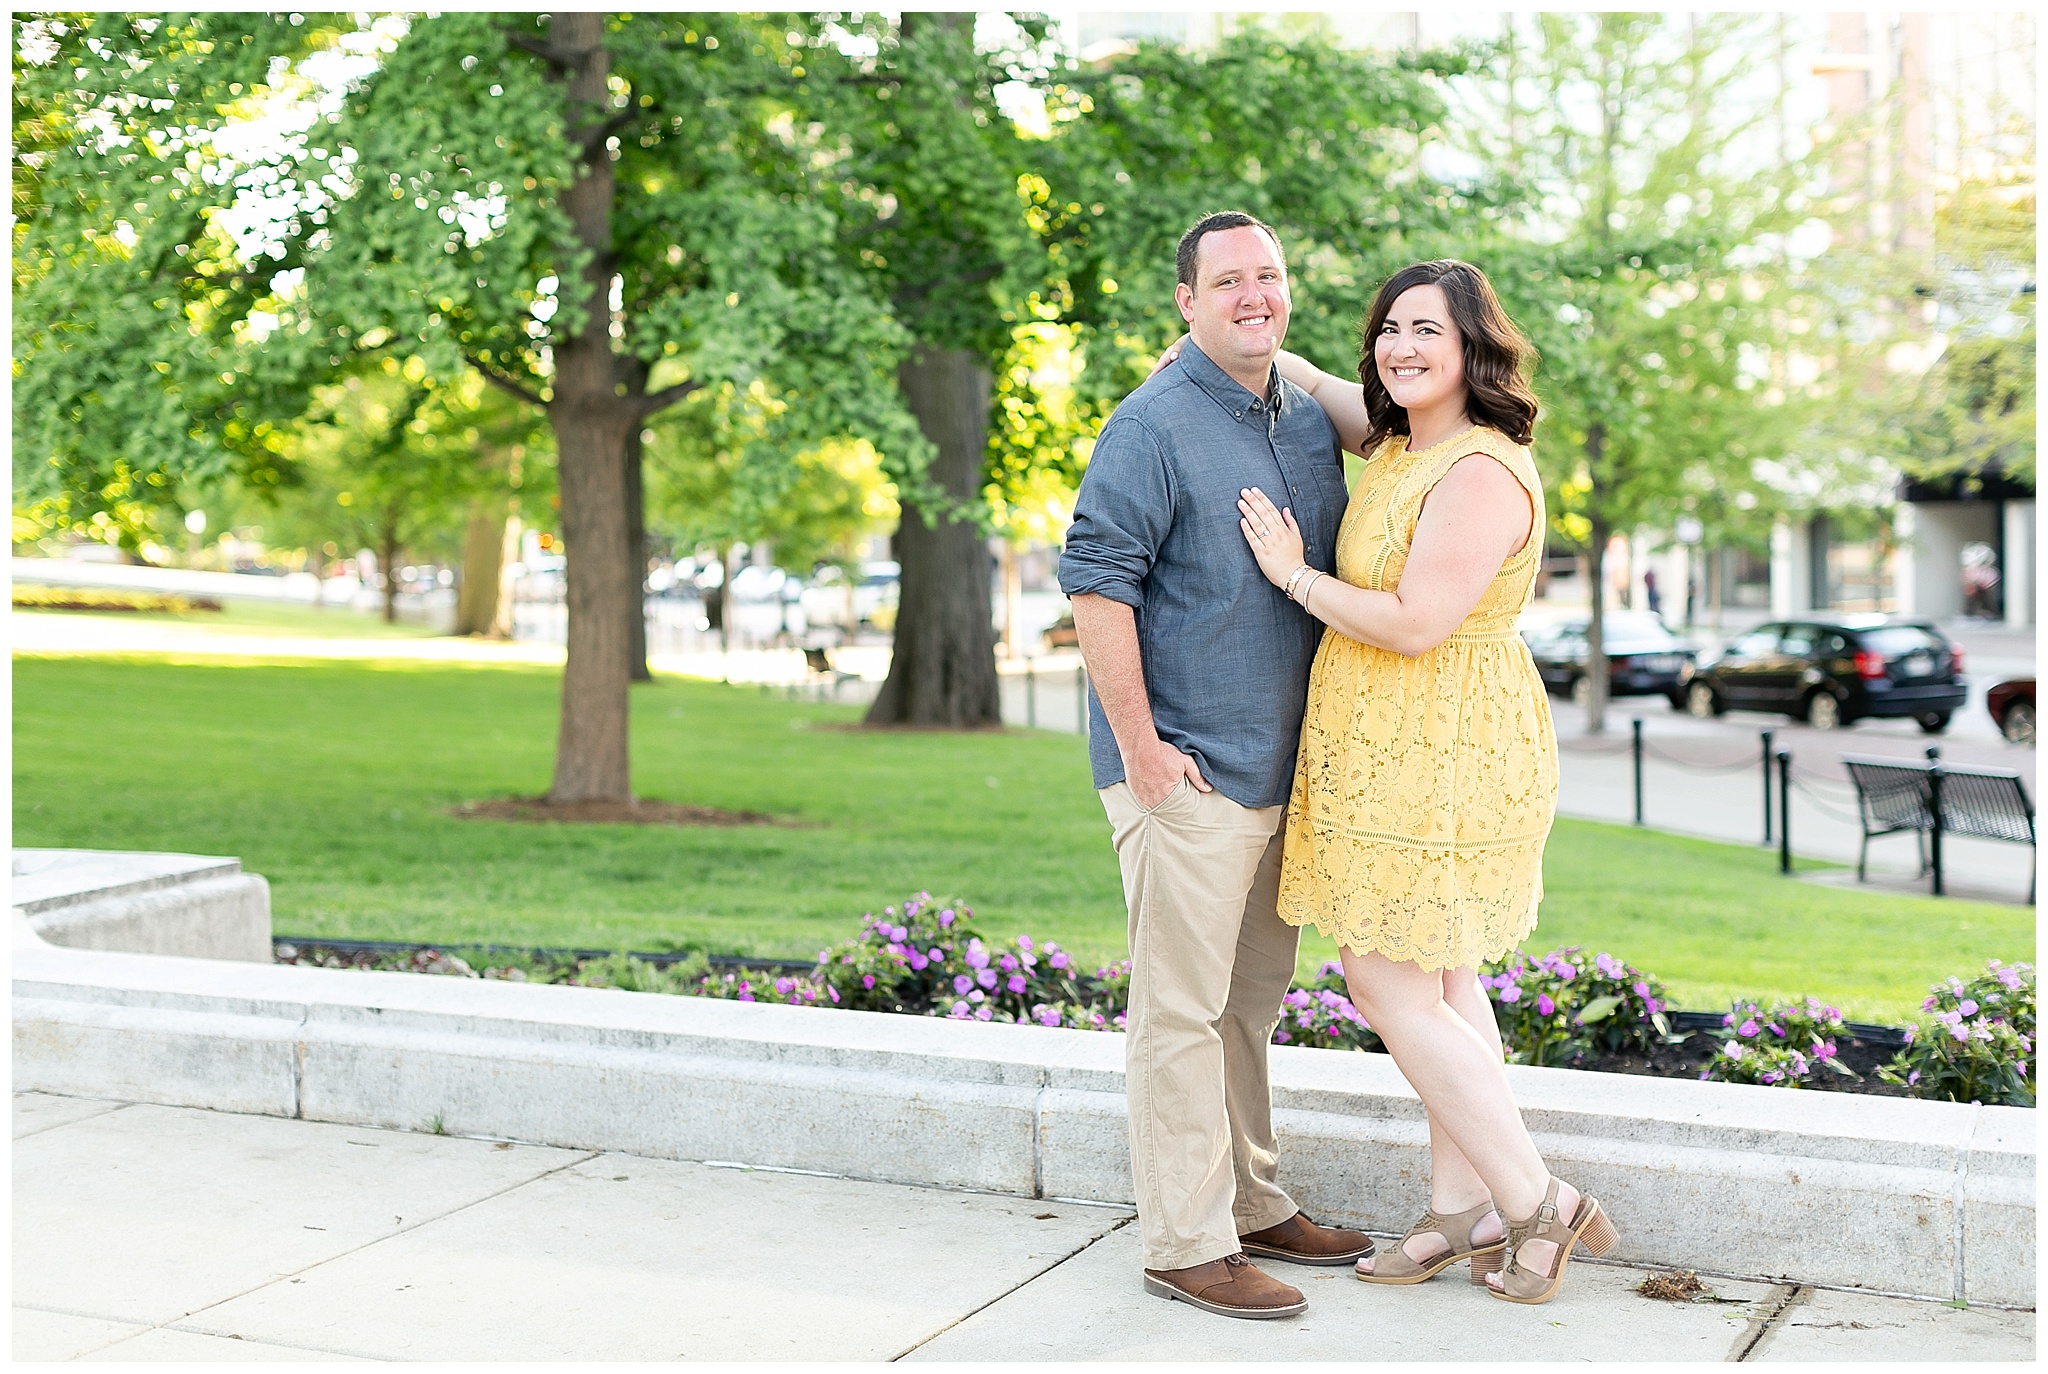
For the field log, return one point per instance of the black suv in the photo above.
(1830, 671)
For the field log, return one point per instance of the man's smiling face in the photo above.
(1238, 308)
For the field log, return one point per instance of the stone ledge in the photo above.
(1934, 1199)
(197, 905)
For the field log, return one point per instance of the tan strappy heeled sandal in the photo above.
(1589, 1227)
(1456, 1228)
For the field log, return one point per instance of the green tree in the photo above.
(602, 215)
(721, 472)
(136, 376)
(927, 197)
(1317, 140)
(1641, 243)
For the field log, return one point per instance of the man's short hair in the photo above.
(1191, 242)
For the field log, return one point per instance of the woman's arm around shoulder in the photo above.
(1342, 401)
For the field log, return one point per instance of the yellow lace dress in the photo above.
(1425, 786)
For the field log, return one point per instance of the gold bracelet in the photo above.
(1294, 580)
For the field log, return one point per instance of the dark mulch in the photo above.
(542, 811)
(1688, 1058)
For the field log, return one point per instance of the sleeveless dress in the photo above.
(1425, 786)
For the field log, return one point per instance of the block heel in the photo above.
(1589, 1226)
(1488, 1261)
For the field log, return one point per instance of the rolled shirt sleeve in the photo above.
(1121, 516)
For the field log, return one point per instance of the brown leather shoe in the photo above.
(1302, 1241)
(1229, 1287)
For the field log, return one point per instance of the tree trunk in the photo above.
(636, 556)
(1596, 579)
(943, 668)
(501, 619)
(387, 557)
(483, 552)
(592, 423)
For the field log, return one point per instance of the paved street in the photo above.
(157, 1233)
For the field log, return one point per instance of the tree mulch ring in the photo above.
(540, 810)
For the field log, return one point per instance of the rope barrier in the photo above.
(1743, 766)
(1822, 806)
(1620, 748)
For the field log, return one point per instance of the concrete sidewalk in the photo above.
(158, 1233)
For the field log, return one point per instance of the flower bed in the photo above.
(1562, 1009)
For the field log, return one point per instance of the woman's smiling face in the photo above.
(1419, 352)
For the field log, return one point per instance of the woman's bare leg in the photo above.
(1430, 1023)
(1454, 1185)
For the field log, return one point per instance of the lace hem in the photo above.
(1433, 907)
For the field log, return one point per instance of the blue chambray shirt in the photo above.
(1226, 655)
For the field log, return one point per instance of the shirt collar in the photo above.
(1226, 390)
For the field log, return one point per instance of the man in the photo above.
(1199, 668)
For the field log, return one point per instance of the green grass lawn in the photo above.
(335, 780)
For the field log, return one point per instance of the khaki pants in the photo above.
(1210, 962)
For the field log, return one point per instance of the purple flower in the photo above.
(833, 993)
(919, 962)
(1747, 1030)
(1912, 1078)
(961, 983)
(867, 980)
(746, 997)
(1024, 942)
(1607, 965)
(977, 956)
(1959, 1032)
(984, 1014)
(976, 997)
(1009, 963)
(959, 1009)
(899, 933)
(986, 977)
(1058, 960)
(1016, 983)
(936, 955)
(1511, 994)
(1544, 1006)
(1968, 1007)
(945, 918)
(2007, 976)
(1642, 990)
(783, 985)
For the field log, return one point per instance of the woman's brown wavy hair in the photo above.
(1497, 353)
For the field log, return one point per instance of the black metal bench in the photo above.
(1933, 800)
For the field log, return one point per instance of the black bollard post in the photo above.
(1785, 811)
(1635, 730)
(1934, 809)
(1768, 735)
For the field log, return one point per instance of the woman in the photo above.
(1427, 777)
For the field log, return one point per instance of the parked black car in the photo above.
(1831, 671)
(1643, 658)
